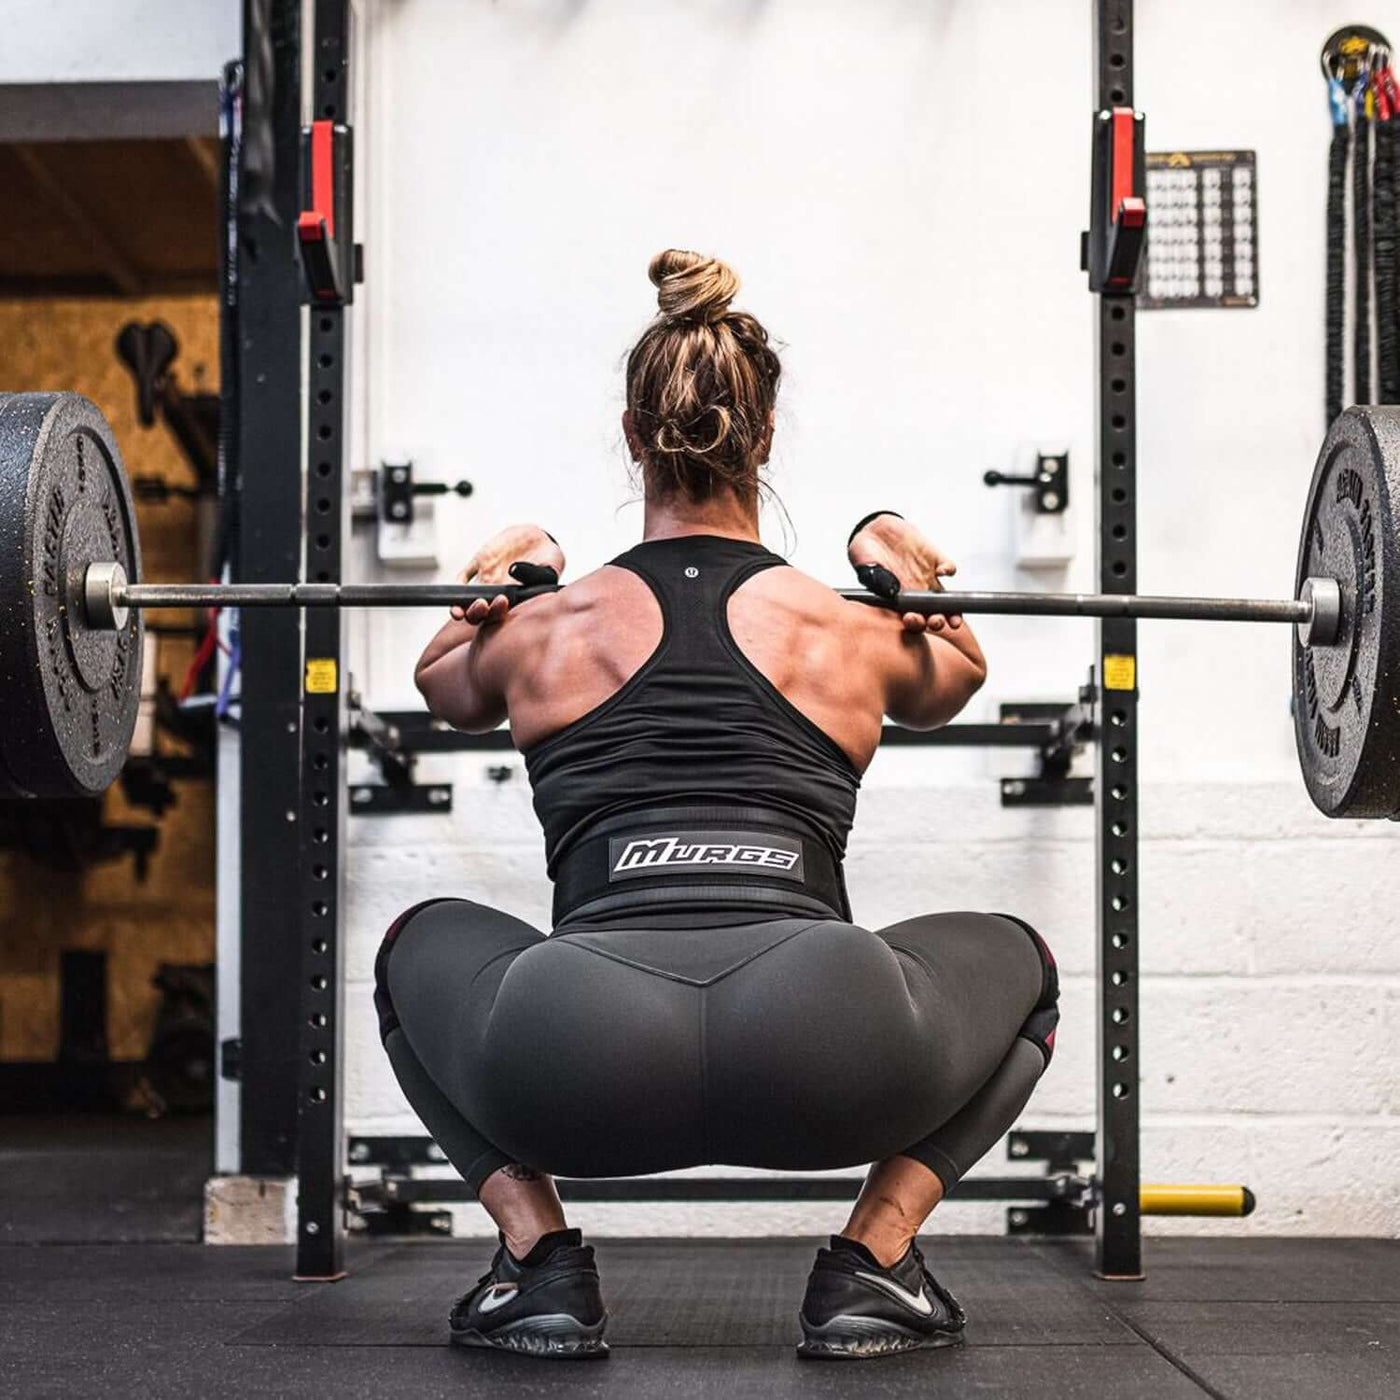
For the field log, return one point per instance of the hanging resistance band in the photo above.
(1383, 177)
(1364, 102)
(1361, 234)
(1336, 248)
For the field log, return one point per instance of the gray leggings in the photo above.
(789, 1043)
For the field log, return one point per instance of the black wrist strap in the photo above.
(865, 520)
(533, 575)
(878, 579)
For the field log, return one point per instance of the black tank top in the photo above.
(698, 724)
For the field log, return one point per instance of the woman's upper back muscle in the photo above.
(558, 658)
(815, 648)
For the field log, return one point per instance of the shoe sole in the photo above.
(847, 1338)
(550, 1337)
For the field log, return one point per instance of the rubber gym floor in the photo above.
(104, 1290)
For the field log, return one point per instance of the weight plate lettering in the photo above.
(70, 691)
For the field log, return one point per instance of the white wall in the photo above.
(95, 70)
(109, 41)
(907, 222)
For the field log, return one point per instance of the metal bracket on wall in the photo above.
(1067, 729)
(399, 799)
(398, 490)
(398, 794)
(1068, 1208)
(395, 1219)
(1049, 480)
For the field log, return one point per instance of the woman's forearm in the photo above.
(964, 639)
(450, 636)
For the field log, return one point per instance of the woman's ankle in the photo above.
(522, 1242)
(887, 1246)
(524, 1205)
(896, 1199)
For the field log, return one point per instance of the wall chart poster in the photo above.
(1202, 230)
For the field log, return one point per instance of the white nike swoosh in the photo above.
(497, 1297)
(917, 1301)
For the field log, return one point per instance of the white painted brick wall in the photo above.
(1270, 997)
(935, 324)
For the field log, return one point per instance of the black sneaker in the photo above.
(546, 1304)
(856, 1308)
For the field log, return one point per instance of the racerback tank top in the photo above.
(698, 724)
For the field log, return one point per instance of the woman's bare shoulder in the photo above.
(604, 588)
(608, 607)
(814, 600)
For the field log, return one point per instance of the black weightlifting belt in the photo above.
(742, 858)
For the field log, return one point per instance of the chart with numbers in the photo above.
(1202, 230)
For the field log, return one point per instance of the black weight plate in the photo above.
(70, 693)
(1346, 697)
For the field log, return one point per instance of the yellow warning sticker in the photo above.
(321, 676)
(1119, 673)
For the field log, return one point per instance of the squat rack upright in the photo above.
(289, 1056)
(287, 245)
(1112, 252)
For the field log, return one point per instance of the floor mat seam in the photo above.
(1171, 1358)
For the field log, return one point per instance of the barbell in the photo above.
(107, 596)
(71, 601)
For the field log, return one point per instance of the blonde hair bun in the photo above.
(692, 287)
(701, 384)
